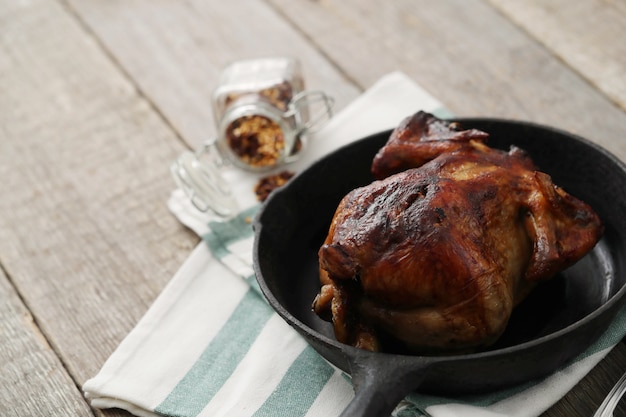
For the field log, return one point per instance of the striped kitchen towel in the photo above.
(210, 345)
(232, 243)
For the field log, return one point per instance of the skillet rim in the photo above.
(610, 304)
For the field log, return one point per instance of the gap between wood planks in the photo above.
(116, 62)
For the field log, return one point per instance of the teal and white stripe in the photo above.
(256, 365)
(231, 242)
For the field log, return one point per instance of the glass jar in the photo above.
(262, 115)
(262, 112)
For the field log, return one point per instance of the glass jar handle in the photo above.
(302, 104)
(202, 181)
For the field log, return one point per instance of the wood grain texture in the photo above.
(175, 52)
(587, 35)
(84, 230)
(465, 53)
(39, 383)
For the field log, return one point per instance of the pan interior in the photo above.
(295, 221)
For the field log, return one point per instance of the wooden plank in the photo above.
(587, 35)
(464, 52)
(84, 230)
(175, 51)
(38, 382)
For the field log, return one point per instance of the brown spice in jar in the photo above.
(279, 95)
(271, 182)
(256, 140)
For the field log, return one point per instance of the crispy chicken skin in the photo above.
(417, 140)
(435, 255)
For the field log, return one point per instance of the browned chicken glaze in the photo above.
(436, 254)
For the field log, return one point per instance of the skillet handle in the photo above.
(381, 382)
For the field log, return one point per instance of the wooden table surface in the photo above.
(98, 97)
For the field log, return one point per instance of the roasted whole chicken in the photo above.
(433, 256)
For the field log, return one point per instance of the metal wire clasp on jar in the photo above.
(263, 118)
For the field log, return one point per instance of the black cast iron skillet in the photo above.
(556, 323)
